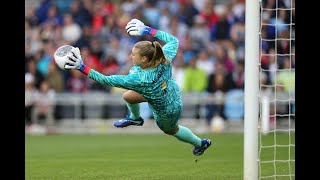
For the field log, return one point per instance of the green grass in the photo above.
(135, 157)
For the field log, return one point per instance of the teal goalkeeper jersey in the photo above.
(156, 85)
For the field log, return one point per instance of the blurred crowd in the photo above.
(211, 35)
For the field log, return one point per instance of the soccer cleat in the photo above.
(127, 121)
(205, 143)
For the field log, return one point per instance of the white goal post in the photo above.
(269, 119)
(251, 89)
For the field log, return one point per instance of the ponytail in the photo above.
(153, 51)
(158, 55)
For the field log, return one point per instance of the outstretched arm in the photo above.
(137, 28)
(130, 81)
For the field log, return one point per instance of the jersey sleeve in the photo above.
(133, 69)
(130, 81)
(170, 49)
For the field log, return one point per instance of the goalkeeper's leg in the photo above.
(170, 126)
(186, 135)
(132, 99)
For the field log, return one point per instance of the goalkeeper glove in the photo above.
(74, 61)
(137, 28)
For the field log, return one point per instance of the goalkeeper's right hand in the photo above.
(135, 27)
(74, 61)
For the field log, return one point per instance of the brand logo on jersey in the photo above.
(162, 70)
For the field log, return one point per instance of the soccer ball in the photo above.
(217, 124)
(60, 55)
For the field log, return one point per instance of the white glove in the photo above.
(73, 59)
(137, 28)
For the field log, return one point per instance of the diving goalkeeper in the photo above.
(150, 80)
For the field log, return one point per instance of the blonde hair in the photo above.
(153, 51)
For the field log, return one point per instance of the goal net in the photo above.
(276, 144)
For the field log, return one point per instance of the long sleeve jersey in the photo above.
(156, 85)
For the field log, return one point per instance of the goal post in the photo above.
(269, 119)
(251, 89)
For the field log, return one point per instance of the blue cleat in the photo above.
(205, 143)
(127, 121)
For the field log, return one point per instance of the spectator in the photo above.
(110, 28)
(71, 31)
(31, 17)
(80, 13)
(285, 85)
(129, 6)
(44, 105)
(286, 77)
(42, 10)
(32, 69)
(113, 49)
(195, 80)
(209, 15)
(178, 72)
(189, 52)
(187, 12)
(165, 18)
(205, 62)
(77, 83)
(45, 57)
(53, 16)
(238, 75)
(219, 83)
(238, 11)
(222, 55)
(63, 5)
(151, 13)
(217, 86)
(30, 94)
(84, 40)
(55, 78)
(273, 65)
(221, 30)
(178, 29)
(199, 33)
(111, 66)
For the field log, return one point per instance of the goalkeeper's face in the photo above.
(136, 57)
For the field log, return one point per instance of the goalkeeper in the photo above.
(150, 80)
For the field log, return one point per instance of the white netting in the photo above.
(277, 90)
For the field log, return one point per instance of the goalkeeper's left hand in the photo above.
(74, 60)
(135, 27)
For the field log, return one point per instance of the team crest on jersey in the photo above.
(132, 71)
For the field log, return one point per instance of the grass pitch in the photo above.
(139, 157)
